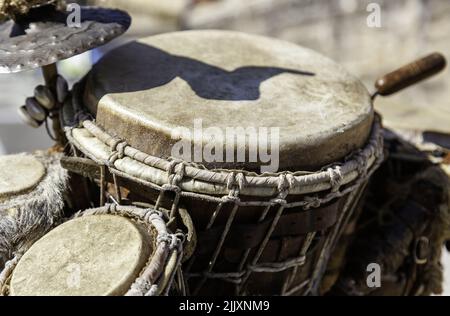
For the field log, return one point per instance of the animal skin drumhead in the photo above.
(90, 255)
(19, 174)
(150, 91)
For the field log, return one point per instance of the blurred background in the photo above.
(337, 28)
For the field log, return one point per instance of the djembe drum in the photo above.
(33, 191)
(259, 230)
(112, 250)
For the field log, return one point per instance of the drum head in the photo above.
(150, 91)
(19, 174)
(91, 255)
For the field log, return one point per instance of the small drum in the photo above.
(104, 251)
(32, 198)
(266, 214)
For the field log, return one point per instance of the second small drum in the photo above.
(108, 251)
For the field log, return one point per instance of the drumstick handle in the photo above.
(410, 74)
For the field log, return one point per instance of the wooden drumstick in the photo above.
(410, 74)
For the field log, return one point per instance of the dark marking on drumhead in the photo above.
(207, 81)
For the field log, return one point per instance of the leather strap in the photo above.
(245, 236)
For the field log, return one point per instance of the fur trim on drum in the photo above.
(27, 217)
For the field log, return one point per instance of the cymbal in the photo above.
(43, 36)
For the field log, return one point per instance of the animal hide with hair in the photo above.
(27, 217)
